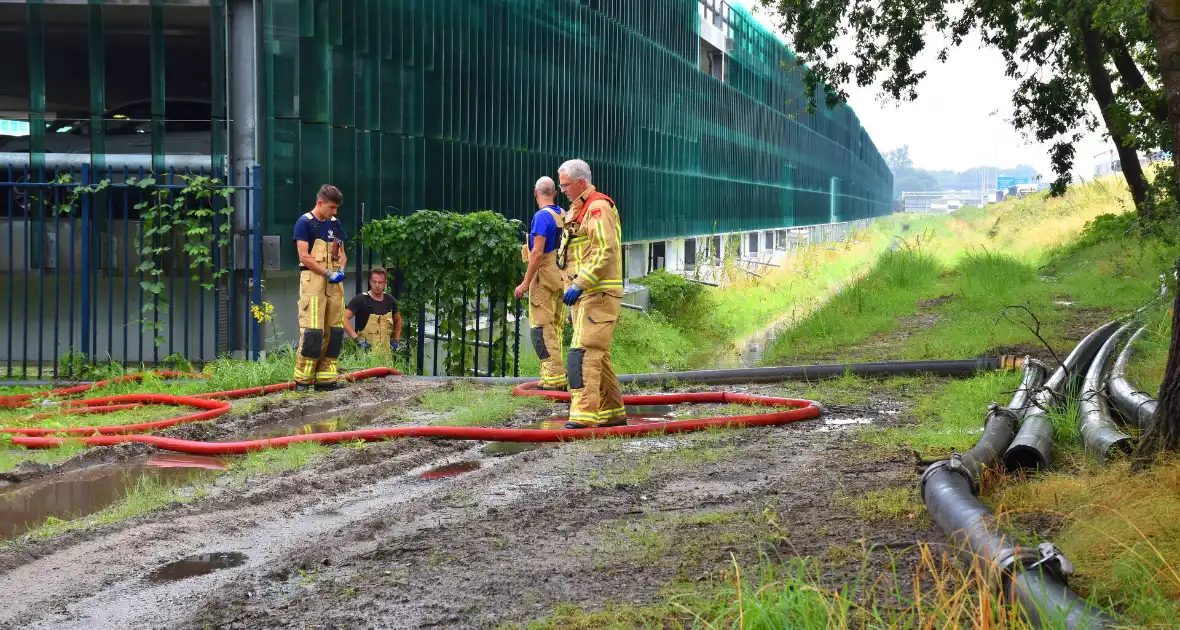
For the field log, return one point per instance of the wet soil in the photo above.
(359, 539)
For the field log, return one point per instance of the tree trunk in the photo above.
(1100, 86)
(1133, 79)
(1164, 432)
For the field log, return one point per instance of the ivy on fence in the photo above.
(184, 214)
(444, 257)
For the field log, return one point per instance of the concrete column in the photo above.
(243, 98)
(243, 60)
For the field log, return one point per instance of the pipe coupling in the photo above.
(1047, 557)
(995, 409)
(954, 464)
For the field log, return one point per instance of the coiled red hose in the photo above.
(214, 405)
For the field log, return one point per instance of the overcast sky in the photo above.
(960, 118)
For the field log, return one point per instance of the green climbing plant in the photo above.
(187, 215)
(171, 217)
(443, 255)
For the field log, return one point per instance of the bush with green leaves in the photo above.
(444, 257)
(687, 304)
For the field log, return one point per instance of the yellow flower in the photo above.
(263, 313)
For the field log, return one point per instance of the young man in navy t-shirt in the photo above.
(319, 242)
(543, 282)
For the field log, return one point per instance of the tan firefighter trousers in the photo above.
(547, 319)
(321, 322)
(595, 396)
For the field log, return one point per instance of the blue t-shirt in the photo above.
(544, 225)
(309, 229)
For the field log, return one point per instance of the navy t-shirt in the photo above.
(544, 225)
(309, 229)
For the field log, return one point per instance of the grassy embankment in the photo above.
(690, 323)
(942, 293)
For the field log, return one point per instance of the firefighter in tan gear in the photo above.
(544, 285)
(594, 236)
(319, 241)
(377, 319)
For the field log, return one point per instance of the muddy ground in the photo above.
(358, 539)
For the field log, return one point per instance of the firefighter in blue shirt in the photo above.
(319, 241)
(543, 283)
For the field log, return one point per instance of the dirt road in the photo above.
(359, 539)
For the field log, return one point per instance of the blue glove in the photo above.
(393, 345)
(572, 294)
(336, 277)
(364, 344)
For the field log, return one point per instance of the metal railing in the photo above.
(74, 274)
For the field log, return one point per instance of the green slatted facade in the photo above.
(462, 104)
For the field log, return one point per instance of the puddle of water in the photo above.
(75, 494)
(835, 424)
(199, 564)
(513, 448)
(554, 423)
(300, 427)
(177, 460)
(843, 421)
(636, 414)
(650, 411)
(325, 422)
(450, 470)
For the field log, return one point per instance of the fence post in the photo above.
(88, 263)
(256, 215)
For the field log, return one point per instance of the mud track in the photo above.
(358, 540)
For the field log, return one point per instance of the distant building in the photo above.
(941, 202)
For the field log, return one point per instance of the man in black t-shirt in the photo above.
(377, 317)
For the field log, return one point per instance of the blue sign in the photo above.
(1008, 182)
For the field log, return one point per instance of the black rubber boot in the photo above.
(302, 387)
(329, 387)
(614, 422)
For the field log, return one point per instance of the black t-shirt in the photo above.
(364, 305)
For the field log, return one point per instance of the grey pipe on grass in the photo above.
(1100, 435)
(1035, 578)
(1136, 407)
(1033, 445)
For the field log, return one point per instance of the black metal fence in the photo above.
(80, 286)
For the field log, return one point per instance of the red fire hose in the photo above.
(213, 405)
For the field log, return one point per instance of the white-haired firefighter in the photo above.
(544, 284)
(594, 235)
(319, 241)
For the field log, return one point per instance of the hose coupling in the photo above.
(954, 464)
(998, 411)
(1047, 557)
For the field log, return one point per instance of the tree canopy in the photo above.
(1069, 57)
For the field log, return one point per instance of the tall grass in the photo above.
(1150, 355)
(1120, 530)
(935, 593)
(868, 306)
